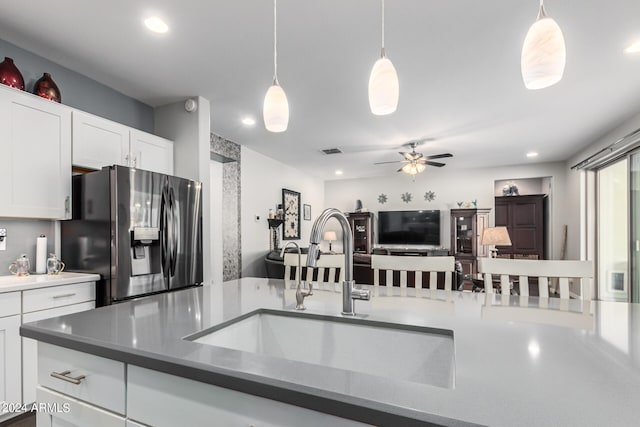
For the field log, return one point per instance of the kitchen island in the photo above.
(518, 360)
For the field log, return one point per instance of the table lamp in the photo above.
(330, 236)
(496, 236)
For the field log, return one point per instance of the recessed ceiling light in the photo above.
(531, 154)
(156, 25)
(633, 47)
(339, 172)
(248, 121)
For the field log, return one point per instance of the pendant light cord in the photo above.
(382, 12)
(275, 43)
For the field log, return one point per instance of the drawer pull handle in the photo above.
(63, 296)
(63, 376)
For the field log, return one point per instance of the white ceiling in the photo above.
(458, 63)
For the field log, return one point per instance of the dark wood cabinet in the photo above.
(362, 224)
(467, 226)
(526, 220)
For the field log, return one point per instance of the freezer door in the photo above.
(185, 234)
(139, 242)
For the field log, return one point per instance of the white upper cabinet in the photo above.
(150, 152)
(35, 142)
(98, 142)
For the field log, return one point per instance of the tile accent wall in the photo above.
(228, 153)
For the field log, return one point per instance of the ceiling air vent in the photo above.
(332, 151)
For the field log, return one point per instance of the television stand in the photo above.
(416, 251)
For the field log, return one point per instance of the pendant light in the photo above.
(543, 53)
(275, 110)
(383, 83)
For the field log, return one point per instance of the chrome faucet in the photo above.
(349, 293)
(301, 294)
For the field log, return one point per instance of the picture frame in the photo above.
(307, 212)
(291, 217)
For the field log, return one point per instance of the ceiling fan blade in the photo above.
(399, 170)
(395, 161)
(439, 156)
(436, 164)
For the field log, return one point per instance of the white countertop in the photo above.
(34, 281)
(519, 361)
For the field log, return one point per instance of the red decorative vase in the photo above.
(10, 75)
(47, 88)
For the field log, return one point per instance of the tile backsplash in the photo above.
(21, 239)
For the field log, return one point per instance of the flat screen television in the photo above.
(409, 227)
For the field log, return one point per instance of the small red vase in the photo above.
(10, 75)
(47, 88)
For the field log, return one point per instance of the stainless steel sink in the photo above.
(402, 352)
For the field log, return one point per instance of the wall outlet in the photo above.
(3, 239)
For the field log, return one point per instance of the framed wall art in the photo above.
(291, 207)
(307, 212)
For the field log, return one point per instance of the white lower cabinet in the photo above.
(9, 360)
(30, 347)
(160, 399)
(58, 410)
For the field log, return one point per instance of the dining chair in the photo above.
(416, 264)
(334, 264)
(544, 270)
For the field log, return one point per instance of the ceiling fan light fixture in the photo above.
(413, 168)
(275, 109)
(543, 53)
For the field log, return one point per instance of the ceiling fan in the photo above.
(415, 162)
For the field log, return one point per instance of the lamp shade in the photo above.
(495, 236)
(275, 110)
(330, 236)
(384, 88)
(413, 168)
(543, 54)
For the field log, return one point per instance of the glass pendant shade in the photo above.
(413, 168)
(543, 54)
(384, 88)
(275, 109)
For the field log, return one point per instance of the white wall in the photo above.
(450, 187)
(263, 179)
(191, 135)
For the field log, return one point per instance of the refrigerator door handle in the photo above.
(174, 233)
(164, 230)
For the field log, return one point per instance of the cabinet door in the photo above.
(152, 153)
(98, 142)
(64, 411)
(35, 177)
(30, 347)
(10, 360)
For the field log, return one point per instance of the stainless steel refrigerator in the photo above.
(140, 230)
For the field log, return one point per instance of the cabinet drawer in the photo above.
(58, 296)
(103, 383)
(9, 304)
(63, 410)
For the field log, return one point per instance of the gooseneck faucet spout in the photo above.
(349, 293)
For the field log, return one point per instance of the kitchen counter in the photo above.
(519, 361)
(36, 281)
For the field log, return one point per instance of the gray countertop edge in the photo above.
(362, 410)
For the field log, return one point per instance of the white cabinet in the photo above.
(10, 359)
(152, 153)
(98, 142)
(35, 175)
(64, 411)
(30, 347)
(152, 399)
